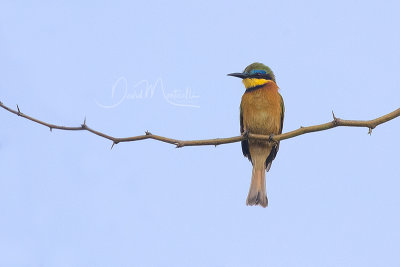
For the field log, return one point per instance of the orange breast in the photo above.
(261, 110)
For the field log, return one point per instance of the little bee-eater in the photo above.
(261, 112)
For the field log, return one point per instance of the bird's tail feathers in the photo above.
(257, 193)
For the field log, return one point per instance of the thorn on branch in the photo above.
(370, 130)
(84, 126)
(114, 143)
(335, 120)
(179, 145)
(51, 129)
(148, 133)
(19, 111)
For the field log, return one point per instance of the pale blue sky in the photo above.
(66, 199)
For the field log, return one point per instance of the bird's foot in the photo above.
(246, 134)
(271, 139)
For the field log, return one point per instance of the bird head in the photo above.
(255, 74)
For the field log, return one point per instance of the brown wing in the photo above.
(275, 148)
(245, 143)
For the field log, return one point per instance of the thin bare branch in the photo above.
(370, 124)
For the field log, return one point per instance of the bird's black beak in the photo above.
(239, 75)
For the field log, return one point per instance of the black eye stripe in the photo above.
(261, 76)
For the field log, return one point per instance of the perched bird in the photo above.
(261, 112)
